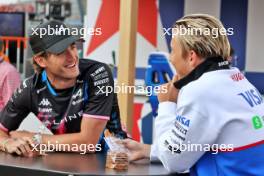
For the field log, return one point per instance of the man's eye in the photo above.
(73, 45)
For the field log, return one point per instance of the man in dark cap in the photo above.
(64, 93)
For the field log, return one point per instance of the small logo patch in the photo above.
(257, 122)
(45, 102)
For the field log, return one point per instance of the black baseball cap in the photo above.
(51, 36)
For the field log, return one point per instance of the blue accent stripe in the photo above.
(234, 15)
(170, 11)
(45, 79)
(245, 162)
(85, 92)
(256, 78)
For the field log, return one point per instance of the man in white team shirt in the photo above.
(211, 120)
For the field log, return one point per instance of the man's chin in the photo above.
(69, 76)
(73, 76)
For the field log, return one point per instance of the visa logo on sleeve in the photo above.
(252, 97)
(183, 120)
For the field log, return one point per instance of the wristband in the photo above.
(37, 139)
(3, 144)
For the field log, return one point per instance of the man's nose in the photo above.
(70, 53)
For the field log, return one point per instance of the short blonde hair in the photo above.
(202, 39)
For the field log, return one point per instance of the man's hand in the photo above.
(171, 94)
(21, 134)
(21, 146)
(137, 150)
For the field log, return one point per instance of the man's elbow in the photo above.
(174, 168)
(174, 165)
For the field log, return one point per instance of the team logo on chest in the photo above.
(45, 106)
(45, 102)
(77, 97)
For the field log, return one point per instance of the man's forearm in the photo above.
(70, 141)
(71, 138)
(66, 142)
(3, 135)
(91, 129)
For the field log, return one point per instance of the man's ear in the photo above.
(41, 61)
(194, 59)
